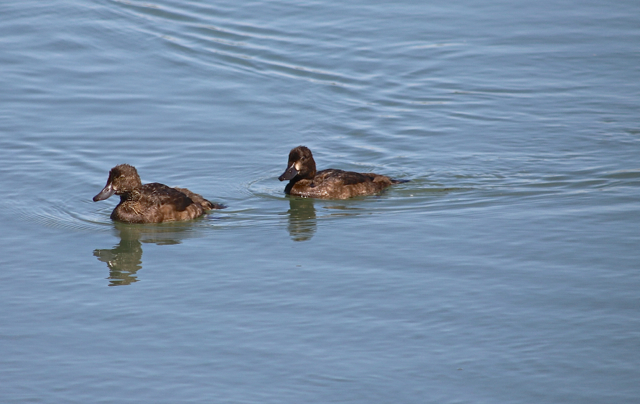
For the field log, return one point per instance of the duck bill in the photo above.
(289, 173)
(105, 193)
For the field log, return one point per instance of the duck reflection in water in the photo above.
(125, 259)
(302, 219)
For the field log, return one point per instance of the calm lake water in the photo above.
(506, 271)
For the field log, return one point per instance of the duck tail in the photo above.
(393, 181)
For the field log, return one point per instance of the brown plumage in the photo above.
(150, 203)
(306, 182)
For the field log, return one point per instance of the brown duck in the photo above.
(306, 182)
(150, 203)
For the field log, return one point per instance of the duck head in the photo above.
(123, 178)
(300, 166)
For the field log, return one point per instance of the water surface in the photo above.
(505, 271)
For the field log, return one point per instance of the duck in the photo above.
(306, 182)
(150, 203)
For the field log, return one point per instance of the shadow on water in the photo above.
(124, 260)
(302, 219)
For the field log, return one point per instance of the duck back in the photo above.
(157, 203)
(339, 184)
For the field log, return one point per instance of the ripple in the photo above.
(85, 216)
(59, 215)
(266, 187)
(398, 198)
(203, 32)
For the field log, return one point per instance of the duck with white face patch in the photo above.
(305, 181)
(150, 203)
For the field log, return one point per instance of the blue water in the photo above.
(505, 271)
